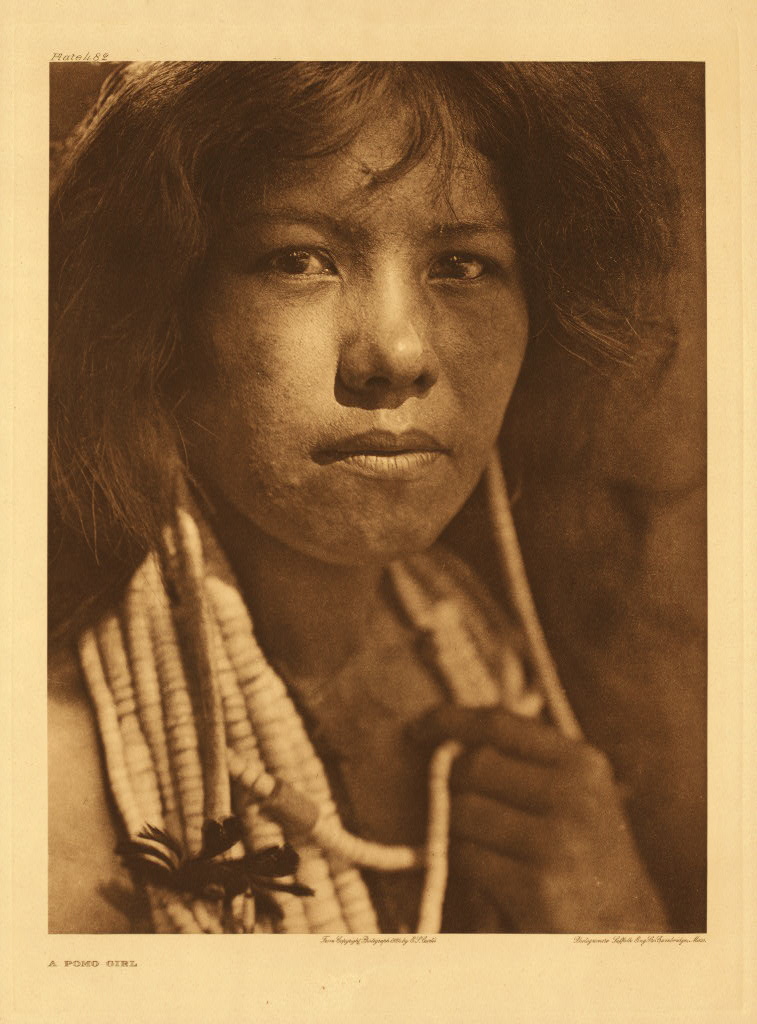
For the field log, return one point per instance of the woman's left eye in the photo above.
(458, 267)
(300, 263)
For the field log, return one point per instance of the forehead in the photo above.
(371, 177)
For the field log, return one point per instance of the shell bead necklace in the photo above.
(173, 755)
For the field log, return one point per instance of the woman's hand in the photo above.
(538, 825)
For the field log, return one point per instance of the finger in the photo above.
(506, 881)
(486, 822)
(527, 785)
(512, 734)
(468, 909)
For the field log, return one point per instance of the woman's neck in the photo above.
(311, 617)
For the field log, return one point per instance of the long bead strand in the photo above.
(215, 776)
(147, 693)
(437, 845)
(139, 764)
(502, 659)
(110, 732)
(260, 831)
(285, 744)
(514, 573)
(455, 654)
(178, 713)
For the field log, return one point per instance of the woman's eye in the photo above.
(301, 263)
(458, 267)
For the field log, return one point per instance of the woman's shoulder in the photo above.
(88, 890)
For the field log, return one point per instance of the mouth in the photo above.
(380, 453)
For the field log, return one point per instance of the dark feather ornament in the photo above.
(155, 858)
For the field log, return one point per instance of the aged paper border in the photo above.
(298, 978)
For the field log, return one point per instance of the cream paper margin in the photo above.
(298, 978)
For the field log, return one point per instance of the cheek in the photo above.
(252, 338)
(271, 363)
(484, 356)
(272, 376)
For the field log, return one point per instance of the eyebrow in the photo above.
(343, 229)
(298, 217)
(459, 229)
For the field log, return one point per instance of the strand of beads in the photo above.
(494, 636)
(285, 746)
(190, 581)
(167, 909)
(182, 739)
(286, 749)
(259, 831)
(514, 573)
(147, 694)
(178, 714)
(437, 843)
(455, 655)
(138, 760)
(295, 810)
(283, 802)
(110, 732)
(187, 566)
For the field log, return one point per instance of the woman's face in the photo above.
(365, 340)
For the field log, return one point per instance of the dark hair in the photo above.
(148, 178)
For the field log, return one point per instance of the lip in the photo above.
(382, 453)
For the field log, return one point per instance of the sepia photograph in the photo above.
(377, 526)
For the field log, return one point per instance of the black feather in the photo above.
(208, 877)
(219, 836)
(295, 888)
(132, 848)
(160, 836)
(273, 861)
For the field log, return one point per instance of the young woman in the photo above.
(289, 306)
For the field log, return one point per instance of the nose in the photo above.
(387, 353)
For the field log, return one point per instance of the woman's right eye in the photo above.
(300, 263)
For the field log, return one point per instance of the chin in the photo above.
(384, 546)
